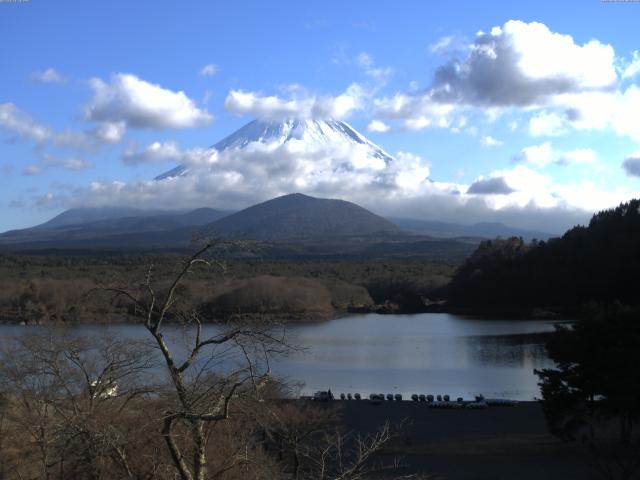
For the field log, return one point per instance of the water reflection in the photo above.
(524, 350)
(423, 353)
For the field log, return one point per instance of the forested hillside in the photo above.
(600, 262)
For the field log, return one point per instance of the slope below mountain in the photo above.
(88, 224)
(298, 216)
(76, 216)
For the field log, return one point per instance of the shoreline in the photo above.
(507, 313)
(499, 442)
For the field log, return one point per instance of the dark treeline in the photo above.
(42, 289)
(600, 262)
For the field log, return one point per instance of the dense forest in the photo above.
(44, 289)
(599, 262)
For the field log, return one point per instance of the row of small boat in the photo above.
(444, 401)
(430, 398)
(437, 401)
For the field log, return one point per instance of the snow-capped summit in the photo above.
(318, 133)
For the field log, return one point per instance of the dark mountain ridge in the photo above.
(76, 216)
(298, 216)
(86, 224)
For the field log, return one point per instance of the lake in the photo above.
(422, 353)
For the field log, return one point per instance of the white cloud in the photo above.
(209, 70)
(489, 141)
(415, 111)
(110, 132)
(524, 64)
(490, 186)
(49, 75)
(519, 65)
(579, 155)
(364, 60)
(46, 200)
(633, 67)
(367, 63)
(33, 169)
(529, 187)
(544, 154)
(538, 155)
(442, 44)
(240, 176)
(49, 161)
(545, 54)
(14, 119)
(208, 95)
(618, 111)
(593, 198)
(410, 171)
(539, 193)
(169, 152)
(631, 164)
(23, 125)
(307, 107)
(73, 163)
(138, 103)
(547, 124)
(378, 126)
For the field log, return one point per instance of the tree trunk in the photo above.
(176, 455)
(296, 464)
(200, 453)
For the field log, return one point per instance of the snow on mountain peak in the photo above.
(297, 134)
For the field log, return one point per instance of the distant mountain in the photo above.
(76, 216)
(298, 216)
(202, 216)
(294, 226)
(84, 216)
(313, 133)
(479, 230)
(98, 225)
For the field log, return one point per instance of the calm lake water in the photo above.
(422, 353)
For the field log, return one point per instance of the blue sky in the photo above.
(535, 121)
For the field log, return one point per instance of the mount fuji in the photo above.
(313, 133)
(294, 224)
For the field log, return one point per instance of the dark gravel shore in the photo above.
(462, 444)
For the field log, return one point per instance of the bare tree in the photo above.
(350, 456)
(62, 400)
(293, 429)
(311, 444)
(209, 374)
